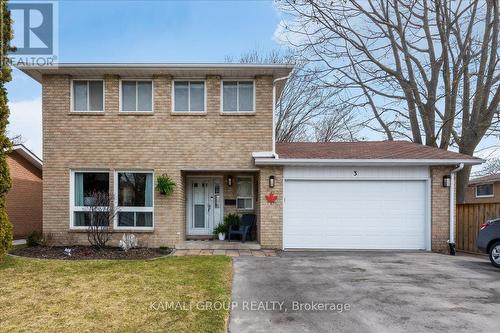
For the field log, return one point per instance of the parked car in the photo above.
(488, 240)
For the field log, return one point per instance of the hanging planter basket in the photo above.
(165, 185)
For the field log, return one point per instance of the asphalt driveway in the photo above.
(365, 292)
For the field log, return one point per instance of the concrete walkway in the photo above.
(231, 253)
(217, 245)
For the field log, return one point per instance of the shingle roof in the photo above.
(485, 179)
(365, 150)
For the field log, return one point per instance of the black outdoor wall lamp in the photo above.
(271, 181)
(447, 181)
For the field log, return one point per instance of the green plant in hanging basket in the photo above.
(165, 185)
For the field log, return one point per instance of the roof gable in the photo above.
(28, 155)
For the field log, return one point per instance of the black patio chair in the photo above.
(243, 230)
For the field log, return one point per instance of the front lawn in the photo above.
(114, 296)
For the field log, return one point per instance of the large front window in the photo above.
(189, 96)
(135, 199)
(85, 187)
(137, 96)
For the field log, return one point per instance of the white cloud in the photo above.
(280, 33)
(26, 120)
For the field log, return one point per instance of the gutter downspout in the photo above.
(453, 187)
(274, 111)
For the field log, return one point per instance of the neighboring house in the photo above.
(24, 200)
(116, 127)
(483, 189)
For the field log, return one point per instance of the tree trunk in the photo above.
(462, 183)
(463, 175)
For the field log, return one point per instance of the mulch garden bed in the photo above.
(89, 253)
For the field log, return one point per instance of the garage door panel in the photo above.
(355, 214)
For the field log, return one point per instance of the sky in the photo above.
(144, 31)
(153, 31)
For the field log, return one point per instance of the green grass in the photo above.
(113, 296)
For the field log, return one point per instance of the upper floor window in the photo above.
(484, 190)
(238, 96)
(137, 95)
(88, 95)
(189, 96)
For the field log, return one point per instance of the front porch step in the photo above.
(217, 245)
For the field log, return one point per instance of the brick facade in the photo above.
(440, 210)
(271, 223)
(24, 200)
(160, 141)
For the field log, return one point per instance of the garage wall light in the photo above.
(447, 181)
(271, 181)
(229, 181)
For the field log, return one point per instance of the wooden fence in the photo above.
(469, 218)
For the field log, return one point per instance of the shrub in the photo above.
(165, 250)
(5, 233)
(231, 219)
(99, 230)
(34, 238)
(47, 239)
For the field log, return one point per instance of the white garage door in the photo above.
(360, 214)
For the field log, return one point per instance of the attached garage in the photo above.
(375, 195)
(356, 212)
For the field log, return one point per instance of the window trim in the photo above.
(72, 207)
(120, 93)
(488, 195)
(72, 95)
(133, 209)
(189, 97)
(253, 193)
(236, 112)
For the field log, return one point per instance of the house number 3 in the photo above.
(355, 173)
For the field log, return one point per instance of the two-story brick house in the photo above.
(116, 127)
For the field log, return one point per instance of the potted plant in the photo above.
(221, 230)
(165, 185)
(231, 219)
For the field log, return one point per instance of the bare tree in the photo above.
(337, 127)
(491, 167)
(17, 139)
(101, 213)
(427, 70)
(303, 104)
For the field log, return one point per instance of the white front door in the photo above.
(204, 206)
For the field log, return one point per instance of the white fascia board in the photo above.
(263, 154)
(360, 162)
(28, 155)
